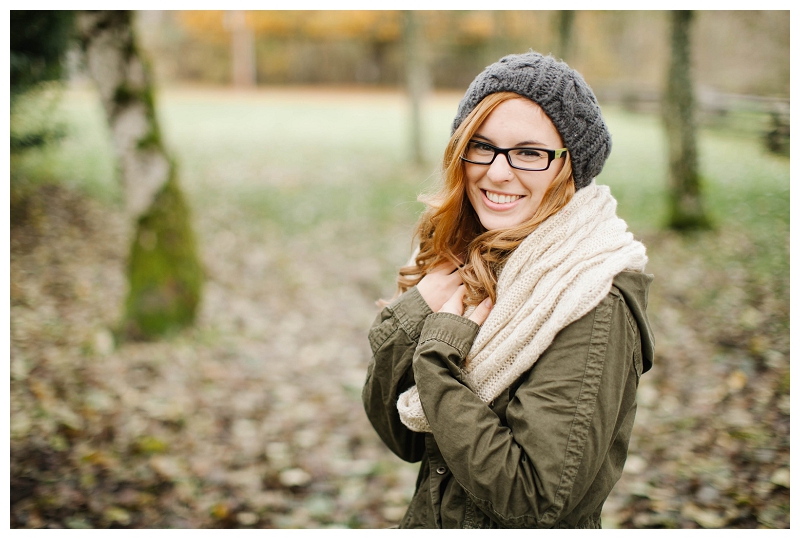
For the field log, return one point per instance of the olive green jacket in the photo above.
(548, 450)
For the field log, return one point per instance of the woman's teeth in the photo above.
(501, 199)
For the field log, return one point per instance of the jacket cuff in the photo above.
(410, 310)
(451, 329)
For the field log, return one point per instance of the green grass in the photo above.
(84, 159)
(301, 160)
(751, 190)
(302, 163)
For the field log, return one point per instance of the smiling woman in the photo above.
(509, 359)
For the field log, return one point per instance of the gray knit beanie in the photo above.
(563, 95)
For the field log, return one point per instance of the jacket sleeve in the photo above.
(393, 338)
(561, 421)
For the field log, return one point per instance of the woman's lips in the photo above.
(501, 201)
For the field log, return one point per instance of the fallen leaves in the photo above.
(254, 418)
(712, 422)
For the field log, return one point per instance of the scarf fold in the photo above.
(556, 275)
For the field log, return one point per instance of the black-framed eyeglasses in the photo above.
(483, 153)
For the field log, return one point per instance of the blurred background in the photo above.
(205, 206)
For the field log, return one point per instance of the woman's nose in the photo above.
(500, 170)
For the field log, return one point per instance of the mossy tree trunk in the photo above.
(164, 272)
(686, 209)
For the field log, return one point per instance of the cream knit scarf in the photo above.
(555, 276)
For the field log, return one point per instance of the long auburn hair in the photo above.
(449, 228)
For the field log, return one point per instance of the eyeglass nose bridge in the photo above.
(505, 153)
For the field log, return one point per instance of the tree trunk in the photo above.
(416, 80)
(164, 272)
(685, 201)
(502, 43)
(566, 21)
(243, 52)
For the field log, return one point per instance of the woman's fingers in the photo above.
(438, 285)
(481, 312)
(455, 304)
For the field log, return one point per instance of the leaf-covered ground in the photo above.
(253, 418)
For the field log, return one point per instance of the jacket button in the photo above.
(441, 470)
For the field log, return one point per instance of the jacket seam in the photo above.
(403, 318)
(628, 318)
(378, 345)
(451, 345)
(400, 319)
(584, 411)
(638, 361)
(460, 343)
(454, 318)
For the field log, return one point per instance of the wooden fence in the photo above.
(748, 115)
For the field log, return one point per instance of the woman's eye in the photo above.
(482, 148)
(529, 154)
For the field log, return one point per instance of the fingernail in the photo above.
(488, 303)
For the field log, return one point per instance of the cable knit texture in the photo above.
(563, 95)
(558, 274)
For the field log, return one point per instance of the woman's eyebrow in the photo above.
(517, 145)
(531, 143)
(487, 139)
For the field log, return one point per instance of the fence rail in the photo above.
(767, 117)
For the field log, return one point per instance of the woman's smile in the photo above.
(500, 201)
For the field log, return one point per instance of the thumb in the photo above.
(481, 312)
(455, 304)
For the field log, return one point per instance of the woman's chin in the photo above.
(492, 220)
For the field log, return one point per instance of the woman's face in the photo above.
(503, 196)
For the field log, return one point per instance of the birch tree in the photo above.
(164, 273)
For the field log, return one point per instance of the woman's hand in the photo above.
(455, 305)
(439, 285)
